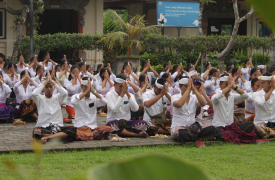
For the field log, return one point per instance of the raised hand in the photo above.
(189, 84)
(149, 63)
(230, 81)
(126, 73)
(272, 83)
(89, 85)
(124, 89)
(164, 90)
(202, 88)
(53, 73)
(218, 74)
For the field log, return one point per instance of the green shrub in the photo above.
(259, 58)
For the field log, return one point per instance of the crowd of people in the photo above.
(177, 102)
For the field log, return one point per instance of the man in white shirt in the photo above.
(85, 105)
(223, 103)
(50, 119)
(265, 107)
(120, 104)
(184, 106)
(155, 103)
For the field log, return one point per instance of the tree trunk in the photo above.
(200, 19)
(229, 46)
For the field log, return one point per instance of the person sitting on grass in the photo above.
(155, 106)
(50, 119)
(120, 104)
(223, 103)
(265, 107)
(184, 106)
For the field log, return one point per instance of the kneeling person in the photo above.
(86, 105)
(120, 104)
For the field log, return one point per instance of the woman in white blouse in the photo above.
(12, 78)
(21, 66)
(84, 72)
(237, 77)
(6, 112)
(246, 70)
(26, 106)
(64, 74)
(40, 75)
(32, 68)
(104, 84)
(48, 63)
(176, 74)
(184, 106)
(72, 84)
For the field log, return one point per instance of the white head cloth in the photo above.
(119, 80)
(85, 82)
(183, 81)
(160, 86)
(261, 66)
(265, 78)
(192, 73)
(224, 78)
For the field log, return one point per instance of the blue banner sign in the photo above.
(181, 14)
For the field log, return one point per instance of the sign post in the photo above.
(31, 28)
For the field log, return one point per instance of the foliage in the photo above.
(128, 34)
(259, 58)
(212, 57)
(239, 57)
(148, 167)
(110, 23)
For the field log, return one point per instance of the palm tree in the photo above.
(128, 34)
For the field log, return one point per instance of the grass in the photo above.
(223, 161)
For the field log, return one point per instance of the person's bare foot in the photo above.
(143, 134)
(44, 140)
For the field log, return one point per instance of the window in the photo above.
(2, 23)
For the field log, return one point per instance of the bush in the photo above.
(259, 58)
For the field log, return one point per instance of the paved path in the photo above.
(18, 138)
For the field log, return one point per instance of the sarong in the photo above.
(6, 112)
(99, 133)
(135, 126)
(234, 134)
(39, 131)
(263, 131)
(251, 118)
(70, 110)
(26, 109)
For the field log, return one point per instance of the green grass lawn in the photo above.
(224, 161)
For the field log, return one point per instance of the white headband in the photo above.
(224, 78)
(183, 81)
(85, 82)
(160, 86)
(261, 66)
(266, 78)
(192, 73)
(119, 80)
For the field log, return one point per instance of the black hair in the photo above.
(228, 68)
(31, 59)
(10, 65)
(246, 61)
(184, 77)
(224, 75)
(88, 66)
(267, 74)
(212, 71)
(165, 75)
(189, 67)
(98, 67)
(124, 66)
(207, 64)
(23, 73)
(161, 81)
(81, 64)
(63, 62)
(3, 56)
(272, 69)
(121, 76)
(142, 78)
(253, 81)
(78, 60)
(102, 70)
(72, 68)
(234, 70)
(56, 67)
(253, 70)
(45, 54)
(175, 67)
(38, 67)
(105, 65)
(1, 73)
(164, 66)
(143, 64)
(229, 64)
(6, 64)
(85, 78)
(18, 57)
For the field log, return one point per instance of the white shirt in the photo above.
(223, 109)
(87, 74)
(72, 90)
(4, 93)
(172, 91)
(37, 80)
(210, 87)
(84, 114)
(118, 107)
(241, 84)
(249, 105)
(21, 94)
(150, 75)
(11, 83)
(185, 115)
(47, 68)
(49, 109)
(19, 70)
(245, 73)
(32, 73)
(63, 77)
(247, 86)
(100, 90)
(155, 108)
(265, 110)
(133, 80)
